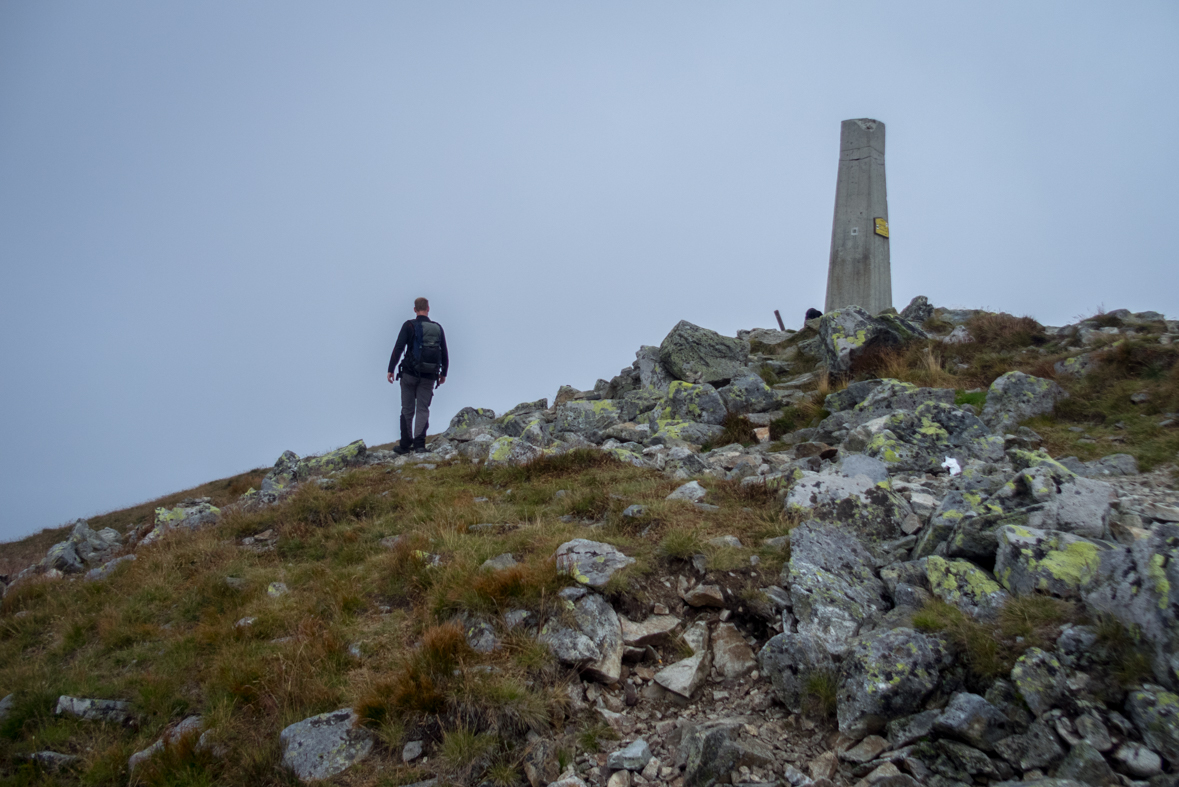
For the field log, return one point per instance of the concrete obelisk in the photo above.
(859, 273)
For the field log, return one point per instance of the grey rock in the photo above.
(910, 729)
(698, 355)
(725, 541)
(411, 751)
(633, 757)
(747, 394)
(731, 655)
(83, 548)
(921, 439)
(1037, 748)
(1016, 397)
(704, 596)
(691, 492)
(854, 465)
(113, 711)
(1138, 761)
(886, 675)
(713, 750)
(107, 568)
(1040, 679)
(51, 761)
(971, 719)
(589, 419)
(652, 631)
(1086, 765)
(590, 562)
(833, 585)
(1029, 559)
(635, 511)
(1156, 714)
(191, 726)
(1093, 730)
(692, 403)
(865, 751)
(845, 334)
(480, 634)
(966, 586)
(872, 511)
(598, 621)
(322, 746)
(652, 375)
(687, 675)
(790, 661)
(918, 311)
(6, 706)
(189, 515)
(957, 760)
(1112, 465)
(499, 562)
(467, 418)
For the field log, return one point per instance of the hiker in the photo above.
(423, 368)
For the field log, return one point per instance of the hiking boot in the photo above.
(421, 449)
(401, 450)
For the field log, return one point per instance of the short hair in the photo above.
(420, 304)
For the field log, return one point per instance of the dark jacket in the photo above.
(405, 344)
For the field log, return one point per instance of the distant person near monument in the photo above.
(422, 370)
(859, 272)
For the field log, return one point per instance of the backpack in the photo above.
(427, 348)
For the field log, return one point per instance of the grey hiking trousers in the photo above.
(416, 395)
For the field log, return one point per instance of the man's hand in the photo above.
(441, 380)
(390, 377)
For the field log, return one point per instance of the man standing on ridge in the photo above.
(423, 368)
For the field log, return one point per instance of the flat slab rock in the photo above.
(324, 745)
(590, 562)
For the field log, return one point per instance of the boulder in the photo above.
(590, 562)
(466, 419)
(282, 478)
(711, 751)
(791, 661)
(1085, 764)
(652, 631)
(1039, 747)
(922, 439)
(189, 515)
(1016, 397)
(107, 568)
(652, 375)
(322, 746)
(696, 403)
(698, 355)
(1155, 713)
(1040, 679)
(747, 394)
(909, 729)
(1138, 761)
(1061, 564)
(599, 622)
(833, 584)
(512, 451)
(348, 456)
(591, 420)
(845, 334)
(83, 549)
(190, 727)
(973, 720)
(690, 492)
(918, 311)
(966, 586)
(886, 674)
(871, 510)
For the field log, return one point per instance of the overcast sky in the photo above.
(214, 216)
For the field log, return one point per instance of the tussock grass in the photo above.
(821, 694)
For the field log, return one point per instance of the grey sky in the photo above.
(215, 215)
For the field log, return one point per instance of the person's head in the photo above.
(421, 306)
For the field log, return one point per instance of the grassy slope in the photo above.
(161, 631)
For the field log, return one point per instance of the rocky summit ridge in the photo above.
(919, 586)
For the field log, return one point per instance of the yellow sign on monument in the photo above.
(882, 227)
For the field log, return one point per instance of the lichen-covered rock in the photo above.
(955, 508)
(1016, 397)
(322, 746)
(747, 394)
(632, 757)
(699, 403)
(281, 478)
(1040, 679)
(1155, 712)
(865, 401)
(966, 586)
(189, 515)
(922, 439)
(1061, 564)
(347, 456)
(676, 432)
(790, 661)
(466, 419)
(599, 622)
(1078, 365)
(1086, 765)
(919, 310)
(886, 674)
(698, 355)
(590, 562)
(872, 510)
(512, 451)
(652, 375)
(589, 419)
(107, 568)
(845, 334)
(1139, 586)
(833, 584)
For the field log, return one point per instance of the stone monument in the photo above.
(859, 273)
